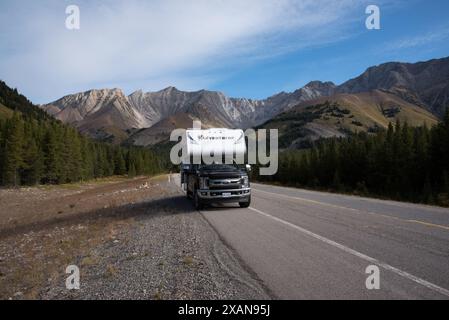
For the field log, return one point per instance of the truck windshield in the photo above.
(220, 167)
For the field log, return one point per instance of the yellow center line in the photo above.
(357, 211)
(429, 224)
(403, 205)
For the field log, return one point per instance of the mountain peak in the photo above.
(105, 90)
(319, 84)
(170, 88)
(423, 84)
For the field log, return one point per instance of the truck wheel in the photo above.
(245, 204)
(197, 201)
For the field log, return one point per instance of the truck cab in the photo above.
(216, 182)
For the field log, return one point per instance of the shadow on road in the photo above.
(170, 205)
(148, 209)
(221, 207)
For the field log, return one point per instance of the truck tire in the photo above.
(197, 201)
(188, 195)
(245, 204)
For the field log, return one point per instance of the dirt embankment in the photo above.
(131, 239)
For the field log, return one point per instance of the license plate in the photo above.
(226, 194)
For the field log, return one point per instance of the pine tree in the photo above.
(132, 170)
(119, 161)
(336, 183)
(76, 159)
(427, 193)
(34, 164)
(87, 159)
(110, 160)
(35, 148)
(53, 157)
(13, 151)
(445, 141)
(2, 150)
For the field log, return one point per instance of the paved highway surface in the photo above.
(313, 245)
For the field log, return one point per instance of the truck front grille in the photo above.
(224, 194)
(225, 184)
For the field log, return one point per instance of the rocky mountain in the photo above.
(340, 114)
(425, 84)
(109, 113)
(104, 114)
(145, 117)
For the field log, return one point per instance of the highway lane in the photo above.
(311, 245)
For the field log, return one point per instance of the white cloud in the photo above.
(149, 44)
(420, 40)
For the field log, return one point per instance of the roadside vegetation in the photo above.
(401, 163)
(37, 149)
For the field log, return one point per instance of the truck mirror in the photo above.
(248, 168)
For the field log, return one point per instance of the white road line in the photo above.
(356, 211)
(403, 205)
(386, 266)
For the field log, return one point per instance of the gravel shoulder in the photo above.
(131, 239)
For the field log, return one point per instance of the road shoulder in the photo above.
(146, 243)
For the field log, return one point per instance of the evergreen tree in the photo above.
(34, 164)
(132, 170)
(13, 151)
(35, 148)
(53, 156)
(402, 163)
(119, 162)
(2, 149)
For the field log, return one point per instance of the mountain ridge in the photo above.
(424, 83)
(102, 112)
(144, 109)
(342, 113)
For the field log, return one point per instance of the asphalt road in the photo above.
(313, 245)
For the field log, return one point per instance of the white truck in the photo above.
(210, 172)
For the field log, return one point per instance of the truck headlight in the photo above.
(204, 183)
(245, 182)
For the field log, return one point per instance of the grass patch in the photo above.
(111, 271)
(89, 261)
(188, 260)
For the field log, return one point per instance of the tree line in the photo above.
(38, 149)
(402, 163)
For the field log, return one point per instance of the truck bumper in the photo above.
(232, 195)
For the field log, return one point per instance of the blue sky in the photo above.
(252, 48)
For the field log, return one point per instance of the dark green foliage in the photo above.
(132, 170)
(35, 148)
(391, 112)
(44, 151)
(402, 163)
(13, 150)
(119, 162)
(11, 99)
